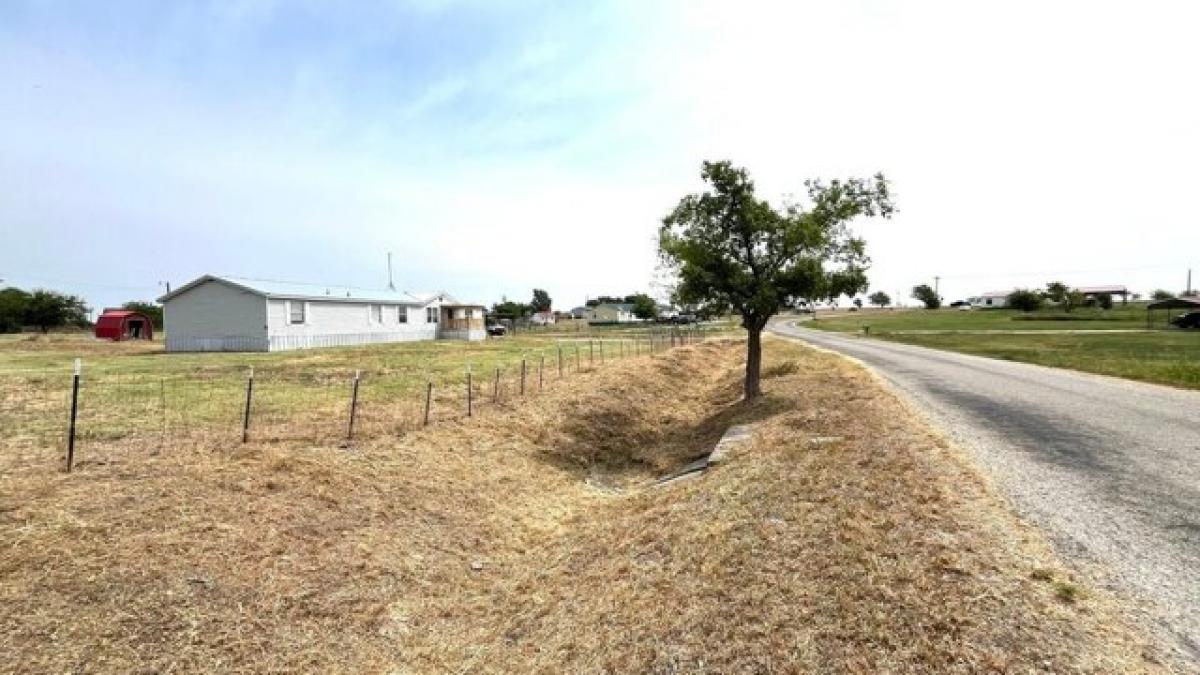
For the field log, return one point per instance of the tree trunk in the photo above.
(753, 362)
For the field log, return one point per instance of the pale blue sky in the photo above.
(499, 146)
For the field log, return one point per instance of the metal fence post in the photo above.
(541, 367)
(560, 361)
(496, 387)
(601, 351)
(577, 357)
(522, 376)
(246, 412)
(74, 412)
(428, 395)
(591, 354)
(353, 406)
(469, 390)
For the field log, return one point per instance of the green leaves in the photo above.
(731, 250)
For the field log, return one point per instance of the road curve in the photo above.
(1108, 468)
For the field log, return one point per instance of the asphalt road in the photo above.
(1108, 468)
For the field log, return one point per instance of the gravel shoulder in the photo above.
(1106, 467)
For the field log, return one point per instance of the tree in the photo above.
(1104, 300)
(541, 301)
(604, 300)
(644, 306)
(858, 303)
(13, 305)
(507, 309)
(1056, 292)
(1025, 300)
(1074, 299)
(730, 250)
(880, 299)
(153, 311)
(925, 294)
(1161, 294)
(50, 309)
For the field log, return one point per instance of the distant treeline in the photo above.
(47, 310)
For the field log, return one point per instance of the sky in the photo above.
(494, 147)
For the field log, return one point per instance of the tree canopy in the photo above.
(926, 295)
(541, 301)
(730, 250)
(1025, 300)
(50, 309)
(1057, 291)
(880, 299)
(644, 306)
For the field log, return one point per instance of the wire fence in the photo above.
(90, 416)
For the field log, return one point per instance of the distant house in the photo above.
(611, 312)
(991, 299)
(1110, 290)
(667, 312)
(580, 312)
(542, 318)
(231, 314)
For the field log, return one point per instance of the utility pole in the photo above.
(936, 283)
(1189, 283)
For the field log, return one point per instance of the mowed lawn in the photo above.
(1090, 342)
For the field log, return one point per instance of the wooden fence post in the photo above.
(591, 354)
(560, 361)
(541, 367)
(469, 390)
(74, 412)
(353, 405)
(246, 412)
(496, 387)
(522, 376)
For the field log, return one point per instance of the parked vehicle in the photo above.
(1189, 320)
(683, 319)
(497, 330)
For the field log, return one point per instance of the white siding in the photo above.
(215, 317)
(334, 323)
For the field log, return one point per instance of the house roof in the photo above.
(1102, 289)
(620, 306)
(294, 290)
(120, 313)
(996, 294)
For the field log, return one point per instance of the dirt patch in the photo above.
(484, 545)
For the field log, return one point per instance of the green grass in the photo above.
(1169, 357)
(138, 392)
(1129, 317)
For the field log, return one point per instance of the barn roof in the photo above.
(302, 291)
(1114, 289)
(119, 313)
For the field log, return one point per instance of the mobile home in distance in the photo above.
(234, 314)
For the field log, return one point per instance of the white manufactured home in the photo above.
(221, 314)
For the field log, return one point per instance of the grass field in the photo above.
(134, 395)
(1091, 343)
(843, 537)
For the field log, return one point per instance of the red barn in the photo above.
(121, 324)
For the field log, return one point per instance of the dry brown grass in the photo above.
(518, 541)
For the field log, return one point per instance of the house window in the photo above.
(431, 315)
(296, 312)
(377, 313)
(402, 314)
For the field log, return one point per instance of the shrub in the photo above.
(1025, 300)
